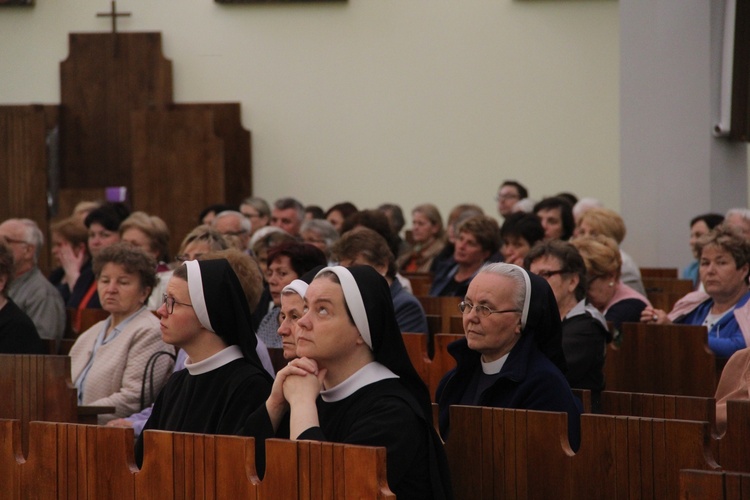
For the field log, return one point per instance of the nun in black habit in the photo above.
(529, 375)
(205, 312)
(354, 383)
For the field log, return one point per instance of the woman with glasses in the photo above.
(509, 357)
(604, 288)
(109, 359)
(584, 329)
(205, 313)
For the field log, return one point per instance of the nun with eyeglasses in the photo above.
(511, 355)
(205, 313)
(353, 383)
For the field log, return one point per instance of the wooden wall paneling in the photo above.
(103, 79)
(178, 166)
(237, 149)
(740, 120)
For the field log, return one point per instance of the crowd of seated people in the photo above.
(535, 324)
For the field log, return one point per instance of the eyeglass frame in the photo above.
(17, 242)
(165, 302)
(548, 274)
(479, 307)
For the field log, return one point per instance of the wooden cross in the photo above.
(114, 15)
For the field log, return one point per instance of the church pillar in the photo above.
(672, 167)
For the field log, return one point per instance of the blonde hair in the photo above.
(600, 254)
(605, 222)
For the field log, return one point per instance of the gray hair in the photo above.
(322, 228)
(32, 235)
(287, 203)
(258, 204)
(744, 213)
(513, 272)
(245, 223)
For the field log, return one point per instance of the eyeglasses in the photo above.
(252, 216)
(548, 274)
(503, 197)
(170, 302)
(482, 311)
(17, 242)
(234, 233)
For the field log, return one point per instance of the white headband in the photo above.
(527, 296)
(195, 289)
(353, 300)
(297, 286)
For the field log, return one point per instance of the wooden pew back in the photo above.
(661, 359)
(504, 453)
(659, 406)
(93, 462)
(716, 485)
(37, 388)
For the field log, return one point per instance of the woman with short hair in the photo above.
(109, 359)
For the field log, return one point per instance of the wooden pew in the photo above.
(420, 283)
(93, 462)
(659, 272)
(716, 485)
(659, 406)
(663, 293)
(39, 388)
(662, 359)
(77, 322)
(510, 454)
(444, 307)
(732, 449)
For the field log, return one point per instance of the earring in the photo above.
(611, 283)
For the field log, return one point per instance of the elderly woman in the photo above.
(603, 221)
(519, 233)
(477, 240)
(150, 234)
(18, 335)
(319, 233)
(109, 359)
(506, 359)
(584, 329)
(286, 263)
(354, 382)
(699, 226)
(428, 239)
(723, 308)
(205, 313)
(363, 246)
(617, 301)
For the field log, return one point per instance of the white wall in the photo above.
(376, 100)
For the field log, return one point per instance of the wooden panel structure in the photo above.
(24, 162)
(37, 388)
(94, 462)
(659, 406)
(105, 78)
(701, 484)
(659, 272)
(511, 454)
(640, 364)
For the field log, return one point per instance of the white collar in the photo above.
(221, 358)
(494, 367)
(368, 374)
